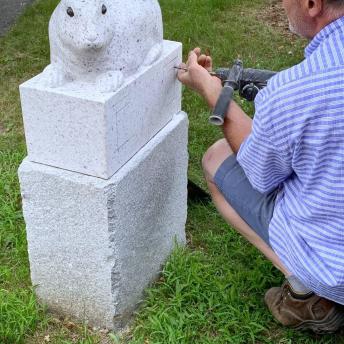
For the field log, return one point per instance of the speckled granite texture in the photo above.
(77, 128)
(95, 244)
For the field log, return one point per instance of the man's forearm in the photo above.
(237, 124)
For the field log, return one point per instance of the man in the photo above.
(279, 179)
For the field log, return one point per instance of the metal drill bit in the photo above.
(185, 69)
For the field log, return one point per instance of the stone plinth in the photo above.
(95, 244)
(78, 128)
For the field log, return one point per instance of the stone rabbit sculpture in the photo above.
(102, 41)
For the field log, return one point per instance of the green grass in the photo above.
(19, 313)
(210, 292)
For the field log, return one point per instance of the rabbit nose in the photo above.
(92, 38)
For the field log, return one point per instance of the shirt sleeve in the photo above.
(265, 158)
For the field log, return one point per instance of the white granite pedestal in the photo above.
(95, 244)
(78, 128)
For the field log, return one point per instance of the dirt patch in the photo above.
(273, 15)
(56, 329)
(10, 10)
(2, 129)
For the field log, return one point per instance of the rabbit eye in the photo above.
(70, 12)
(104, 9)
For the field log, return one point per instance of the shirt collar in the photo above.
(337, 25)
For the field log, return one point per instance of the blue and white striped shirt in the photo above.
(297, 144)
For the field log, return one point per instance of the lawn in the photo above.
(212, 290)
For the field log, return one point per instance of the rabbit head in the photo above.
(86, 25)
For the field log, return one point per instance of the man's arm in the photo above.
(237, 124)
(266, 164)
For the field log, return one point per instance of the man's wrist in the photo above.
(211, 93)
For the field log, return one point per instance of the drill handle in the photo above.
(230, 85)
(221, 108)
(256, 76)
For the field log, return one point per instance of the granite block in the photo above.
(94, 244)
(78, 128)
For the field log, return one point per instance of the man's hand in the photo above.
(197, 76)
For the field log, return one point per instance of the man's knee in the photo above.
(214, 157)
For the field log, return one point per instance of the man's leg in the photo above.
(295, 308)
(212, 160)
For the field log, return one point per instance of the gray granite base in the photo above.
(94, 244)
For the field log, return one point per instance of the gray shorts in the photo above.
(253, 207)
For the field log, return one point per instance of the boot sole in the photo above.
(330, 324)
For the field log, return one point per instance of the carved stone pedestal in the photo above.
(104, 189)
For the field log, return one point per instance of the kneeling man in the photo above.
(279, 179)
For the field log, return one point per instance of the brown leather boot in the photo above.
(309, 312)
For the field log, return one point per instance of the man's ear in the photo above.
(315, 7)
